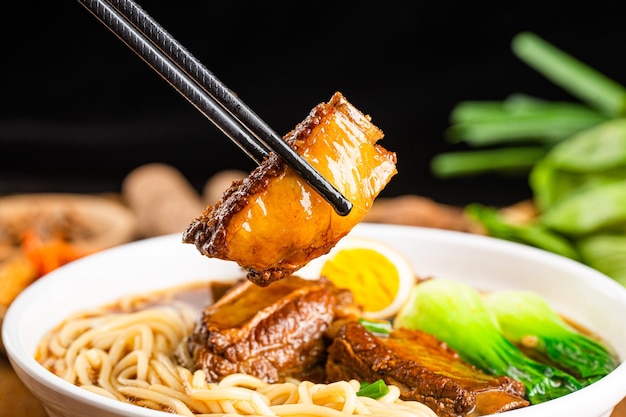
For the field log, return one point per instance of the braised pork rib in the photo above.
(424, 368)
(272, 222)
(269, 332)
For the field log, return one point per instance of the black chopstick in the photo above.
(202, 89)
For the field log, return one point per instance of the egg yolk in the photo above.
(372, 277)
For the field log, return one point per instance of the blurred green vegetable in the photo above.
(517, 159)
(574, 156)
(590, 158)
(519, 118)
(589, 210)
(527, 321)
(534, 234)
(572, 75)
(455, 313)
(605, 252)
(524, 128)
(594, 150)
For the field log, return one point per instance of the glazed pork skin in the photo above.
(424, 368)
(272, 222)
(271, 333)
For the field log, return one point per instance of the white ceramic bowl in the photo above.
(585, 295)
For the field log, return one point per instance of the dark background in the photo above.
(79, 110)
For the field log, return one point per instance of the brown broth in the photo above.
(195, 295)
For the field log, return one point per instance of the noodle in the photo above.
(130, 356)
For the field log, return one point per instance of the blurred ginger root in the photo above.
(218, 183)
(162, 198)
(414, 210)
(165, 202)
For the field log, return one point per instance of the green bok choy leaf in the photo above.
(529, 322)
(455, 313)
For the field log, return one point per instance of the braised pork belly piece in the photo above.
(272, 222)
(269, 332)
(424, 368)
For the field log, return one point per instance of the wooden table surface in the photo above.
(16, 400)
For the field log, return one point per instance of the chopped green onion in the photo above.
(378, 327)
(374, 390)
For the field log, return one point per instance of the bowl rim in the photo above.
(24, 361)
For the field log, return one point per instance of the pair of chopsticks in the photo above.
(198, 85)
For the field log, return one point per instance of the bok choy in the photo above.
(455, 313)
(528, 321)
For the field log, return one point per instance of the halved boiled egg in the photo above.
(379, 276)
